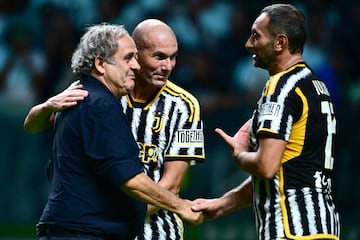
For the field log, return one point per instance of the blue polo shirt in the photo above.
(93, 153)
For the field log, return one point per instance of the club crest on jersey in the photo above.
(159, 118)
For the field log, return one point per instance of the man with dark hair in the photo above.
(288, 145)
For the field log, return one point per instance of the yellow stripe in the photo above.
(186, 156)
(295, 144)
(282, 202)
(314, 237)
(155, 98)
(293, 149)
(273, 81)
(128, 101)
(187, 97)
(182, 225)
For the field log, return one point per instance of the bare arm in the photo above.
(41, 116)
(265, 162)
(174, 172)
(236, 199)
(141, 187)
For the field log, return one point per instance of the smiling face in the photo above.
(119, 75)
(158, 49)
(261, 44)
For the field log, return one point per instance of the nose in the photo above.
(167, 64)
(134, 64)
(248, 43)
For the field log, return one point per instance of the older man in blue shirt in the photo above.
(98, 189)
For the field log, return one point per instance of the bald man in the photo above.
(164, 119)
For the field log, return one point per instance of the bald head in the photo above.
(152, 31)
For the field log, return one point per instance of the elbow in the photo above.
(27, 129)
(172, 188)
(266, 173)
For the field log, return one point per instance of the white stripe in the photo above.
(284, 92)
(160, 228)
(323, 210)
(309, 205)
(295, 212)
(331, 212)
(288, 127)
(267, 213)
(257, 202)
(279, 226)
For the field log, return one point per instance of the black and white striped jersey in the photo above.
(297, 203)
(166, 128)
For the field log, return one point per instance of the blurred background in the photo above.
(37, 38)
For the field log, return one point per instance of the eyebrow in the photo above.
(129, 55)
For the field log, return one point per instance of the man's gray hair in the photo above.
(99, 40)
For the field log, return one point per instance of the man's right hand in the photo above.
(67, 98)
(190, 216)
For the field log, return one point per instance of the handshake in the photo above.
(200, 210)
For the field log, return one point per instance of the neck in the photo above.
(285, 62)
(143, 92)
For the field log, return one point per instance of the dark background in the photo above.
(37, 38)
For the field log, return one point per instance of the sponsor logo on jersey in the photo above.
(148, 152)
(270, 110)
(190, 138)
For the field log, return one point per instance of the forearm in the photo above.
(248, 162)
(151, 209)
(173, 174)
(144, 189)
(38, 119)
(237, 198)
(266, 161)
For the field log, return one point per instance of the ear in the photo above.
(281, 42)
(99, 65)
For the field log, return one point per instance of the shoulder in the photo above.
(180, 93)
(287, 81)
(100, 99)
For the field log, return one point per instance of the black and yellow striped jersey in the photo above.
(295, 106)
(166, 128)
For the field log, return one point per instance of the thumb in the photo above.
(198, 205)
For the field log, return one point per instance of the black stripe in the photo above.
(315, 198)
(167, 129)
(165, 226)
(154, 228)
(262, 200)
(272, 222)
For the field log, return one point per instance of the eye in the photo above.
(173, 57)
(129, 57)
(255, 35)
(160, 56)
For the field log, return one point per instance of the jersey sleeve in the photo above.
(188, 137)
(279, 107)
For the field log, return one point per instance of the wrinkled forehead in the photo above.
(126, 45)
(160, 42)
